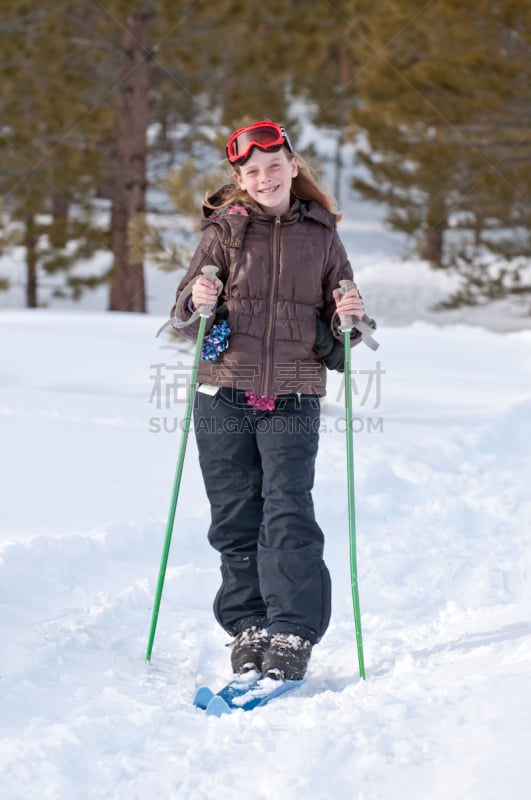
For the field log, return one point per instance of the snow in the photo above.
(90, 442)
(442, 493)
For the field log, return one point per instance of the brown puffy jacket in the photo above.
(278, 275)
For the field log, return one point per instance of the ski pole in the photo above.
(346, 324)
(204, 313)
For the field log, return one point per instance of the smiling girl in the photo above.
(272, 234)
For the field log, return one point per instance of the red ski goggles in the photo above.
(264, 135)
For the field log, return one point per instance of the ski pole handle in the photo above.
(346, 321)
(210, 272)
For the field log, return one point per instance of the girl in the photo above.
(272, 235)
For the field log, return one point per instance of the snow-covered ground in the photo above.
(443, 425)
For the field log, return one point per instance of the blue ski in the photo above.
(237, 686)
(257, 694)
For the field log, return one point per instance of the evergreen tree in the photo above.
(75, 106)
(441, 92)
(230, 63)
(445, 106)
(47, 167)
(173, 57)
(324, 69)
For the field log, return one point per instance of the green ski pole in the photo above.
(346, 325)
(204, 313)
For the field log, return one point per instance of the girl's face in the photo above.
(267, 179)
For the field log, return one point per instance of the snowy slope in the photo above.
(443, 509)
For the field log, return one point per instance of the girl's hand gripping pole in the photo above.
(364, 325)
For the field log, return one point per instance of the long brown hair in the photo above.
(303, 186)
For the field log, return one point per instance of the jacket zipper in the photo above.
(271, 309)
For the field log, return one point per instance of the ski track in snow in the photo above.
(443, 509)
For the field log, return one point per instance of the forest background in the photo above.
(114, 115)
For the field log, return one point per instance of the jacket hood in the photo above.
(238, 213)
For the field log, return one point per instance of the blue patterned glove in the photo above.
(216, 342)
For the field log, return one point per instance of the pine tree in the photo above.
(47, 167)
(77, 86)
(171, 55)
(215, 86)
(323, 70)
(445, 106)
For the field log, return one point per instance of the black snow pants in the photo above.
(258, 469)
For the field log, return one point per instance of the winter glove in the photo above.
(329, 349)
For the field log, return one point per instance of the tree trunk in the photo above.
(59, 228)
(433, 243)
(127, 282)
(338, 165)
(345, 78)
(30, 242)
(432, 246)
